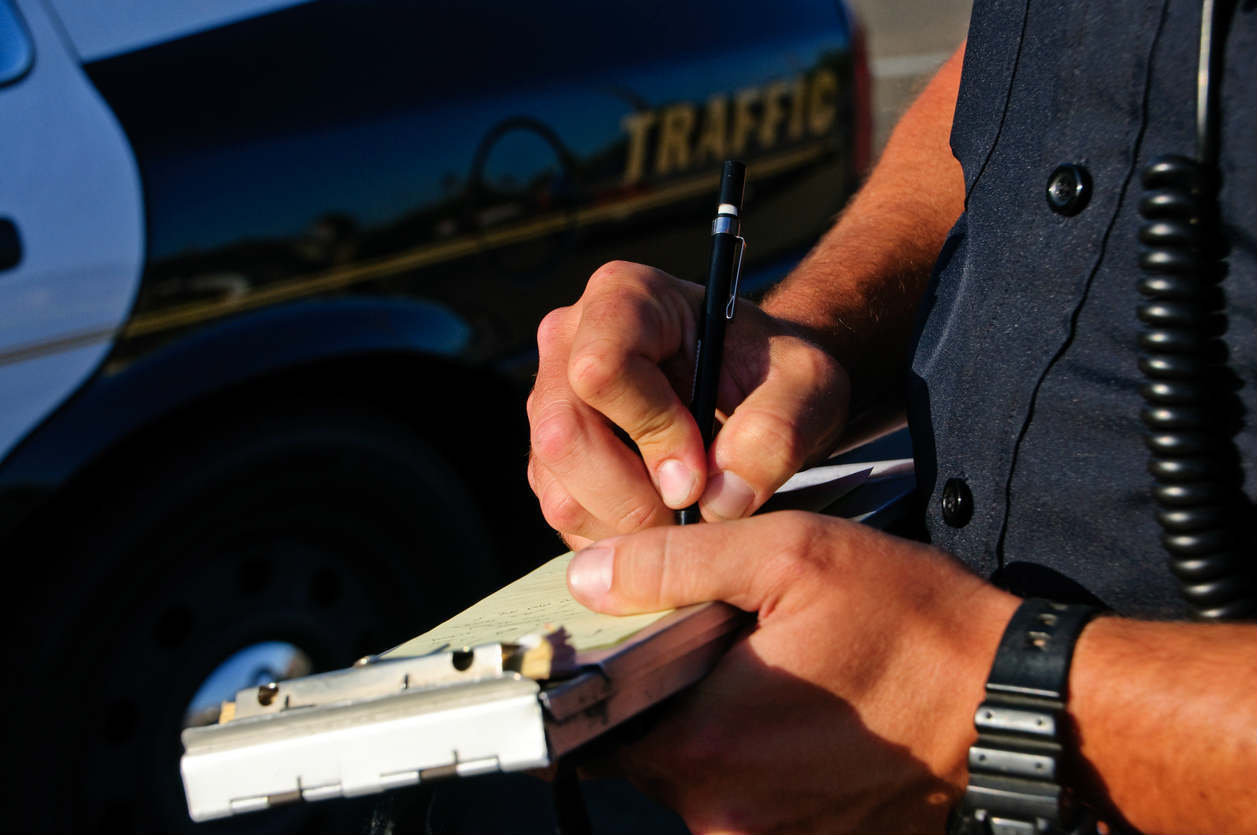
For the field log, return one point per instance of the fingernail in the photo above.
(676, 482)
(727, 495)
(589, 572)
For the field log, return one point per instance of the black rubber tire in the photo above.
(340, 533)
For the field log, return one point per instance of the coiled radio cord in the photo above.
(1191, 412)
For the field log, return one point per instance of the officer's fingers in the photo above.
(632, 320)
(797, 411)
(593, 484)
(558, 508)
(554, 346)
(596, 470)
(576, 446)
(635, 395)
(749, 563)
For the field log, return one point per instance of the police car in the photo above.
(270, 274)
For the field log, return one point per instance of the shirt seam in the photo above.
(1086, 291)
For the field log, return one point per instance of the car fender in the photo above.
(117, 402)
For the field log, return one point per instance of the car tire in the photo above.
(340, 534)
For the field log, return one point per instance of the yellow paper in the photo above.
(538, 601)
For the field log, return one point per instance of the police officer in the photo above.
(851, 705)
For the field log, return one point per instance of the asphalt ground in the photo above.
(907, 41)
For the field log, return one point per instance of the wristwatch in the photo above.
(1014, 767)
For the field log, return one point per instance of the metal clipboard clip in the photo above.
(399, 722)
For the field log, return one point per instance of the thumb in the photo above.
(739, 562)
(796, 411)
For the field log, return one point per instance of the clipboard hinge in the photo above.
(565, 699)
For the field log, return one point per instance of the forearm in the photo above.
(856, 292)
(1166, 721)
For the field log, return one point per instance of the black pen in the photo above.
(723, 271)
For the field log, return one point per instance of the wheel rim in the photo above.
(253, 666)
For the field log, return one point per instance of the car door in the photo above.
(71, 221)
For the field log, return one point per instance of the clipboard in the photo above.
(418, 713)
(396, 721)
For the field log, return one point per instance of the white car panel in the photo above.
(100, 29)
(82, 231)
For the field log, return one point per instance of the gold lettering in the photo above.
(743, 118)
(675, 128)
(638, 126)
(772, 114)
(798, 95)
(711, 139)
(822, 104)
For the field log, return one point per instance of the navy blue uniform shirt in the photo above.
(1024, 382)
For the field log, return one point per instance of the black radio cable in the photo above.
(1190, 409)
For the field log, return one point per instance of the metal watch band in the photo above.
(1014, 783)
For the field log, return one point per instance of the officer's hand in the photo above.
(622, 356)
(849, 707)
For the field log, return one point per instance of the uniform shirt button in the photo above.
(1068, 189)
(957, 503)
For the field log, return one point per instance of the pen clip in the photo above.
(737, 276)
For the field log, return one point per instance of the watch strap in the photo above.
(1014, 767)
